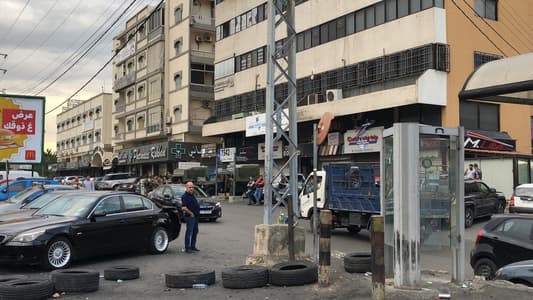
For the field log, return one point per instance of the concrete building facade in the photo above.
(373, 63)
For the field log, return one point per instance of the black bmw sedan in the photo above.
(170, 194)
(88, 224)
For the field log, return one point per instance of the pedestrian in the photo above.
(259, 185)
(88, 183)
(250, 188)
(470, 172)
(477, 172)
(191, 210)
(76, 183)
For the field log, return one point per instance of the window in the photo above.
(391, 10)
(178, 46)
(359, 20)
(315, 36)
(129, 94)
(414, 6)
(323, 33)
(519, 229)
(332, 31)
(350, 24)
(178, 15)
(130, 67)
(141, 92)
(380, 13)
(129, 125)
(477, 115)
(482, 58)
(154, 22)
(96, 136)
(300, 42)
(177, 113)
(142, 31)
(261, 56)
(133, 203)
(177, 81)
(307, 39)
(109, 205)
(403, 8)
(141, 61)
(202, 74)
(369, 16)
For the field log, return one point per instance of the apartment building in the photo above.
(84, 136)
(163, 86)
(373, 63)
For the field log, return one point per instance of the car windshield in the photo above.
(524, 192)
(179, 190)
(22, 195)
(41, 201)
(69, 206)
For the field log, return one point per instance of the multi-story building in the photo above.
(374, 62)
(84, 136)
(163, 85)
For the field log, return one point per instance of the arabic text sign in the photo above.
(255, 125)
(22, 120)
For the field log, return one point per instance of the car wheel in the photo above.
(469, 217)
(158, 241)
(485, 267)
(116, 187)
(58, 254)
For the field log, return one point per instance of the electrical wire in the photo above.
(86, 51)
(517, 29)
(48, 37)
(74, 53)
(34, 27)
(107, 63)
(477, 27)
(6, 35)
(493, 29)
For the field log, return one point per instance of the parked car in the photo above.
(17, 186)
(30, 194)
(87, 224)
(519, 272)
(522, 199)
(70, 179)
(59, 178)
(504, 240)
(170, 194)
(130, 186)
(112, 181)
(26, 210)
(481, 201)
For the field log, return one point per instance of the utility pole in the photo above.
(281, 64)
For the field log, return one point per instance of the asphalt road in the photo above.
(225, 243)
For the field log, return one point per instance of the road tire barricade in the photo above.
(245, 277)
(121, 273)
(294, 273)
(26, 289)
(358, 262)
(188, 277)
(8, 278)
(75, 280)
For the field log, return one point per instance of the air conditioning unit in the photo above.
(199, 38)
(332, 95)
(312, 99)
(208, 38)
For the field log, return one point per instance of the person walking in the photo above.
(250, 188)
(259, 185)
(470, 172)
(88, 184)
(477, 172)
(191, 210)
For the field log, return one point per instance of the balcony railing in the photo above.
(202, 20)
(202, 88)
(153, 128)
(203, 54)
(124, 81)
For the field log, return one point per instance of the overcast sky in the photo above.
(45, 35)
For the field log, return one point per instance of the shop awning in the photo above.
(507, 80)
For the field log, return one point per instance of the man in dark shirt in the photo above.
(191, 210)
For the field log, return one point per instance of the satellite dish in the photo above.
(323, 127)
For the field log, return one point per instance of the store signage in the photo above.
(256, 124)
(209, 150)
(227, 154)
(474, 140)
(361, 140)
(277, 152)
(334, 138)
(148, 153)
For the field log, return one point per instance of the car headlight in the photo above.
(26, 237)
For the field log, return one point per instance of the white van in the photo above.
(14, 174)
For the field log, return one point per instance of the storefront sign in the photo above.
(474, 140)
(227, 154)
(359, 141)
(209, 150)
(148, 153)
(256, 125)
(277, 152)
(334, 138)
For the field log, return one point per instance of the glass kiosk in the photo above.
(423, 203)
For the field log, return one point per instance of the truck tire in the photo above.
(358, 262)
(353, 229)
(294, 273)
(245, 277)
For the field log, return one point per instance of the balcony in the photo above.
(203, 56)
(119, 108)
(153, 128)
(202, 91)
(124, 81)
(203, 22)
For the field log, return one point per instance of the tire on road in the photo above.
(58, 254)
(358, 262)
(26, 289)
(75, 280)
(485, 267)
(294, 273)
(186, 278)
(245, 277)
(8, 278)
(121, 272)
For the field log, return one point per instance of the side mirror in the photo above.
(493, 190)
(99, 213)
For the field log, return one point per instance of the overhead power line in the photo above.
(477, 27)
(15, 22)
(86, 51)
(109, 61)
(493, 29)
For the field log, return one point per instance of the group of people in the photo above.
(473, 172)
(87, 184)
(255, 187)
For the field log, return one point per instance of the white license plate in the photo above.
(205, 212)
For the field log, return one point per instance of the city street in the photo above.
(224, 244)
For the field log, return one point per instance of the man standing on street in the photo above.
(191, 210)
(88, 184)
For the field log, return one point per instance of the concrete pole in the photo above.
(324, 260)
(377, 241)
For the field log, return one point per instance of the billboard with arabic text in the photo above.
(21, 129)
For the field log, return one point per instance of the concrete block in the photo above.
(272, 240)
